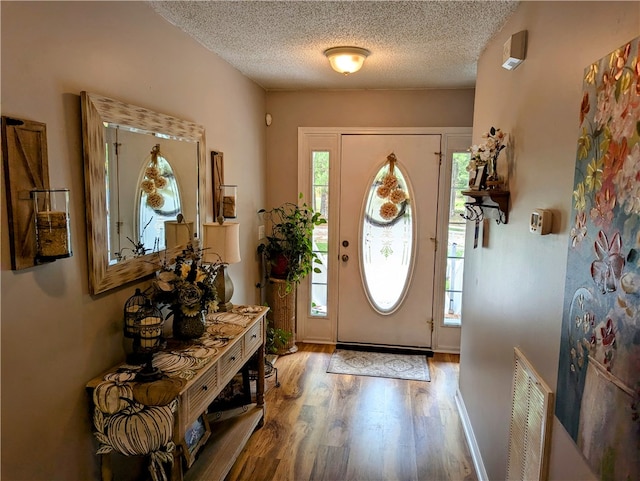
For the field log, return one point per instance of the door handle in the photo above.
(345, 257)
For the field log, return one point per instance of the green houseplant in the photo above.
(289, 257)
(288, 249)
(276, 339)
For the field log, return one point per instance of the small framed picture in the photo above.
(194, 438)
(217, 170)
(481, 177)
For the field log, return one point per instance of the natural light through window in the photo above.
(455, 243)
(152, 216)
(387, 242)
(320, 203)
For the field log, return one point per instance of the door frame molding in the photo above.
(323, 330)
(446, 338)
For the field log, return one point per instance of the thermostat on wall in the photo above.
(540, 222)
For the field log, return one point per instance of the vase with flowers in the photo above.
(485, 156)
(187, 288)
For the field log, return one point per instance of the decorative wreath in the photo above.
(395, 195)
(154, 181)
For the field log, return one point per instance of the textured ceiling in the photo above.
(280, 44)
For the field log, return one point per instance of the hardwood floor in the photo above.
(333, 427)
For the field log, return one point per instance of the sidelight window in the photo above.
(456, 237)
(320, 203)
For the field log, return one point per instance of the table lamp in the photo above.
(221, 243)
(177, 233)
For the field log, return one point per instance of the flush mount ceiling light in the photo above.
(346, 60)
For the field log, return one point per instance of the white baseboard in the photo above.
(481, 473)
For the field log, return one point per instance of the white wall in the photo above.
(55, 336)
(514, 287)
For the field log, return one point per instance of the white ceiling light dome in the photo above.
(346, 60)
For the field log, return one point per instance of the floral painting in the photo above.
(598, 392)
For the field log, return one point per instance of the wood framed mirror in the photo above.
(121, 141)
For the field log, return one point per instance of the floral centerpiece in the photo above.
(187, 288)
(486, 153)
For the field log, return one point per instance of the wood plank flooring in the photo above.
(334, 427)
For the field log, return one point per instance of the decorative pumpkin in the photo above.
(139, 430)
(158, 393)
(172, 362)
(110, 396)
(121, 376)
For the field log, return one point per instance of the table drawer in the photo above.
(253, 338)
(202, 393)
(230, 362)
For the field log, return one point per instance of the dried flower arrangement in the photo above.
(391, 190)
(154, 181)
(187, 286)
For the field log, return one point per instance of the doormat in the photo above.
(379, 364)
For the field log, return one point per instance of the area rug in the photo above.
(379, 364)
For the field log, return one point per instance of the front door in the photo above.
(387, 231)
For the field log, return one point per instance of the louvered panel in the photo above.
(533, 439)
(530, 423)
(518, 425)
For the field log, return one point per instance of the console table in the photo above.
(167, 420)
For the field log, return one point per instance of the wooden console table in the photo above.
(171, 425)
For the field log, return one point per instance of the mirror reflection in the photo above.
(151, 179)
(142, 169)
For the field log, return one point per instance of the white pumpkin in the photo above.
(108, 396)
(139, 430)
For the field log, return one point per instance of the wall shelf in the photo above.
(487, 199)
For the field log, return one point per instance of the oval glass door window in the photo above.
(159, 201)
(387, 239)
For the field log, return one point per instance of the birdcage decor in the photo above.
(132, 309)
(148, 340)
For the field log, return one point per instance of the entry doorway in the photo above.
(341, 304)
(387, 259)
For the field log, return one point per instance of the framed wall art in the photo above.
(598, 390)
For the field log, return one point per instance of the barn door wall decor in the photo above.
(24, 150)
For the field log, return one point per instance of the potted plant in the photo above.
(289, 257)
(288, 249)
(276, 339)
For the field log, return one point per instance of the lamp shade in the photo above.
(177, 233)
(221, 242)
(346, 60)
